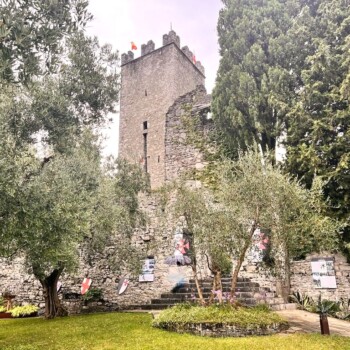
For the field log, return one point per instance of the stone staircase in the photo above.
(247, 292)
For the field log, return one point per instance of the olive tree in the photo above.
(250, 193)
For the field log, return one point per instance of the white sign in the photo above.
(147, 274)
(323, 274)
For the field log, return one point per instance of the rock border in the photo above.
(219, 330)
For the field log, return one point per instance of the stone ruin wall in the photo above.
(27, 289)
(181, 156)
(301, 277)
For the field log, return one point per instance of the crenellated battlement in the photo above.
(169, 38)
(200, 67)
(127, 57)
(147, 48)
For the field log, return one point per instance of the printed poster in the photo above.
(147, 274)
(182, 249)
(323, 273)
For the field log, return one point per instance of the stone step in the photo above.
(247, 292)
(149, 307)
(166, 301)
(276, 300)
(188, 296)
(224, 284)
(249, 300)
(208, 290)
(284, 306)
(224, 279)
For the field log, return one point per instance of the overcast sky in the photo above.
(119, 22)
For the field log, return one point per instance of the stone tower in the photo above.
(150, 85)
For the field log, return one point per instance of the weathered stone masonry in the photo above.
(301, 278)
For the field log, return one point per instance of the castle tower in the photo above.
(150, 85)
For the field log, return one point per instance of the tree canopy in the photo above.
(32, 35)
(58, 86)
(252, 194)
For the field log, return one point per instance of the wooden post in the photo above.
(324, 324)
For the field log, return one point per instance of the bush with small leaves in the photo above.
(303, 300)
(26, 310)
(344, 312)
(217, 313)
(327, 307)
(93, 294)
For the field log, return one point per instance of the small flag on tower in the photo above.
(133, 46)
(194, 59)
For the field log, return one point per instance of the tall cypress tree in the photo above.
(250, 33)
(285, 67)
(318, 119)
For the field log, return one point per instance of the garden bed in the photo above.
(20, 312)
(9, 315)
(220, 321)
(5, 315)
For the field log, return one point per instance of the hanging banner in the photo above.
(85, 285)
(182, 249)
(323, 273)
(259, 248)
(122, 285)
(147, 274)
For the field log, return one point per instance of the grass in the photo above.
(134, 331)
(243, 317)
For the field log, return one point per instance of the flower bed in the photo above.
(19, 311)
(220, 321)
(4, 314)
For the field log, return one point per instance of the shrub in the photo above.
(227, 314)
(339, 309)
(93, 294)
(7, 294)
(261, 307)
(25, 310)
(2, 308)
(304, 301)
(327, 307)
(344, 312)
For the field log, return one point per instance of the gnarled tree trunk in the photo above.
(53, 306)
(199, 289)
(217, 285)
(242, 256)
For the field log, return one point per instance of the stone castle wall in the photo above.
(180, 155)
(301, 277)
(155, 240)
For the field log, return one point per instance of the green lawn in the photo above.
(134, 331)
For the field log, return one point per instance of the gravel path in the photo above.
(307, 322)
